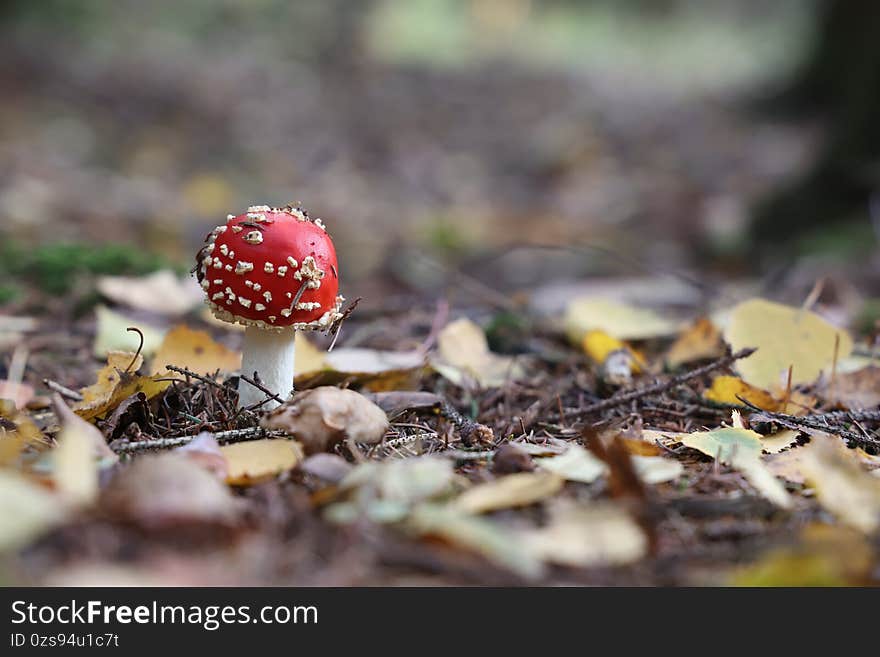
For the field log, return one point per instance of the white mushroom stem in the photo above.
(272, 355)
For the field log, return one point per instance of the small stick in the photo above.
(232, 436)
(834, 363)
(259, 386)
(67, 393)
(787, 390)
(135, 329)
(662, 386)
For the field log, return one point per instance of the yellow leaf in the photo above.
(785, 337)
(598, 345)
(775, 443)
(115, 383)
(195, 350)
(725, 389)
(74, 467)
(741, 449)
(616, 319)
(257, 460)
(308, 357)
(14, 440)
(701, 340)
(508, 492)
(26, 510)
(464, 356)
(841, 485)
(656, 469)
(113, 336)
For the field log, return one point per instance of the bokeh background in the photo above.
(621, 138)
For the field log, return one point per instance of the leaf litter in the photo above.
(490, 468)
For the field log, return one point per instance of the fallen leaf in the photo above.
(74, 465)
(576, 464)
(372, 361)
(616, 319)
(814, 561)
(17, 430)
(464, 357)
(785, 337)
(26, 510)
(584, 536)
(195, 350)
(415, 479)
(854, 391)
(656, 469)
(727, 389)
(776, 442)
(308, 357)
(510, 491)
(699, 341)
(204, 450)
(255, 461)
(841, 485)
(332, 468)
(165, 491)
(116, 382)
(161, 292)
(741, 449)
(113, 336)
(322, 417)
(480, 535)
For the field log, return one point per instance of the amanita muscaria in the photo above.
(273, 270)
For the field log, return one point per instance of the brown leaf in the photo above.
(322, 417)
(258, 460)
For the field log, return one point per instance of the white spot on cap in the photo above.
(254, 237)
(218, 281)
(286, 312)
(243, 267)
(292, 262)
(217, 295)
(237, 229)
(228, 268)
(224, 249)
(269, 268)
(267, 296)
(282, 270)
(244, 302)
(259, 307)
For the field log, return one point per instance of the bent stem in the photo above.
(272, 355)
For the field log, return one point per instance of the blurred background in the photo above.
(517, 141)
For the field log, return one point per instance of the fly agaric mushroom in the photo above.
(274, 271)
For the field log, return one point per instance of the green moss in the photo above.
(56, 268)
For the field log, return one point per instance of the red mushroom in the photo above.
(273, 270)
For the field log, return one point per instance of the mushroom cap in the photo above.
(255, 266)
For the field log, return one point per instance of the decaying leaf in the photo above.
(477, 534)
(617, 361)
(785, 337)
(254, 461)
(464, 356)
(510, 491)
(321, 417)
(699, 341)
(164, 491)
(616, 319)
(117, 381)
(26, 510)
(195, 350)
(576, 464)
(841, 485)
(113, 336)
(583, 536)
(741, 449)
(854, 391)
(160, 292)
